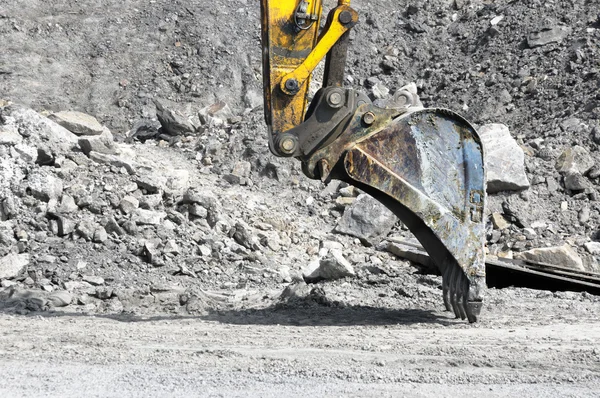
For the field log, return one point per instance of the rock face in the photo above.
(78, 123)
(504, 159)
(366, 219)
(12, 264)
(558, 255)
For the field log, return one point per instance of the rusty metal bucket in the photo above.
(427, 167)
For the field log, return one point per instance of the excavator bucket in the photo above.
(427, 167)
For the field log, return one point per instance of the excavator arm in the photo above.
(425, 165)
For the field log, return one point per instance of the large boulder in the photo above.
(576, 159)
(504, 159)
(40, 131)
(78, 123)
(557, 255)
(12, 265)
(331, 267)
(366, 219)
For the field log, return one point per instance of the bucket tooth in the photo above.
(427, 167)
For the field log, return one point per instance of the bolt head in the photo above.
(369, 118)
(335, 99)
(345, 17)
(291, 84)
(288, 145)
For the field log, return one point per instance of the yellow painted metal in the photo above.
(285, 47)
(329, 38)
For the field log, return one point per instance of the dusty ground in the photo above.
(203, 315)
(529, 346)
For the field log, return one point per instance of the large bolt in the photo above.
(288, 145)
(369, 118)
(291, 85)
(345, 17)
(335, 99)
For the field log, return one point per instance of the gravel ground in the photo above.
(351, 351)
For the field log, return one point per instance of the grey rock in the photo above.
(93, 280)
(9, 136)
(331, 245)
(295, 291)
(242, 234)
(171, 247)
(44, 185)
(151, 181)
(112, 227)
(172, 120)
(129, 204)
(197, 210)
(504, 159)
(67, 205)
(499, 221)
(554, 34)
(216, 114)
(233, 179)
(594, 172)
(575, 181)
(86, 229)
(596, 134)
(592, 247)
(571, 125)
(100, 235)
(206, 200)
(349, 192)
(13, 264)
(576, 159)
(113, 160)
(103, 143)
(558, 255)
(28, 153)
(380, 91)
(60, 299)
(516, 211)
(242, 169)
(8, 208)
(584, 215)
(65, 225)
(331, 267)
(366, 219)
(78, 123)
(39, 129)
(144, 129)
(150, 202)
(331, 189)
(178, 181)
(148, 217)
(130, 227)
(552, 184)
(104, 293)
(152, 253)
(204, 250)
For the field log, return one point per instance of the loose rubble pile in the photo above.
(179, 207)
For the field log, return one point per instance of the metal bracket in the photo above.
(325, 120)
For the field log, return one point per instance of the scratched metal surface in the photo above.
(431, 163)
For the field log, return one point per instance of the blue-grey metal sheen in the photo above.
(427, 167)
